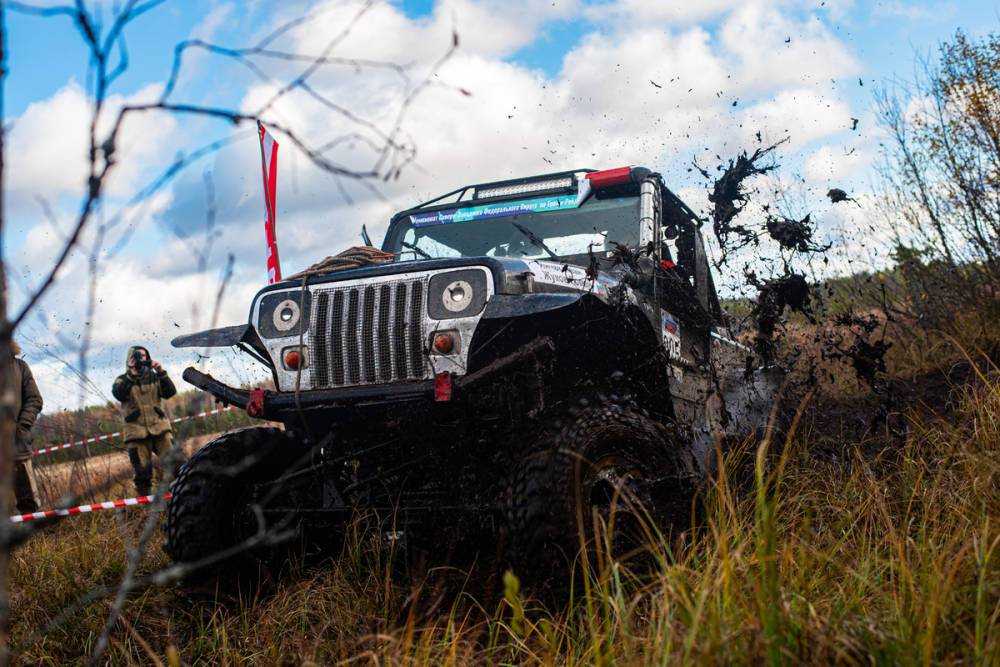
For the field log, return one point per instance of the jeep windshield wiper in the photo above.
(415, 249)
(535, 240)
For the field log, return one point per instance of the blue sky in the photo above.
(554, 84)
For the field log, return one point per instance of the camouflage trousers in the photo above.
(25, 488)
(142, 452)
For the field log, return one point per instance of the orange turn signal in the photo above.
(443, 343)
(293, 358)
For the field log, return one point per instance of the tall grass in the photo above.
(893, 559)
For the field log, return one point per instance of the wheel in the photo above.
(214, 524)
(607, 477)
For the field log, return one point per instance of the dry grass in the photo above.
(85, 476)
(891, 559)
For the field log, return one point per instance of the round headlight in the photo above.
(457, 296)
(286, 315)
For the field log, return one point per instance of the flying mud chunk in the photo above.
(729, 196)
(837, 196)
(793, 234)
(773, 297)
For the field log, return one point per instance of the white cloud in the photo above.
(136, 305)
(215, 19)
(493, 28)
(755, 37)
(801, 114)
(914, 11)
(499, 28)
(664, 11)
(835, 164)
(48, 144)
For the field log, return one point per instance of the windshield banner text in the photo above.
(494, 210)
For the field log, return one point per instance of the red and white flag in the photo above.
(269, 164)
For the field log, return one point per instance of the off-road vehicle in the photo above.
(518, 362)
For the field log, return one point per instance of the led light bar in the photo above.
(561, 183)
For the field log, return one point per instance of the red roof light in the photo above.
(610, 177)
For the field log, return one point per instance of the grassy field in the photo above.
(833, 545)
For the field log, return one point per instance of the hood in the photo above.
(510, 275)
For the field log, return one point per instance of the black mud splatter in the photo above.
(729, 197)
(849, 338)
(868, 359)
(789, 291)
(794, 234)
(837, 195)
(593, 266)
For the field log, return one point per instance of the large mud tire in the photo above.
(603, 457)
(207, 527)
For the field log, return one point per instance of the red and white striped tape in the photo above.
(87, 441)
(83, 509)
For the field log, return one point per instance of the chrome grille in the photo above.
(368, 333)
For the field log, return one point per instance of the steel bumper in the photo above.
(268, 404)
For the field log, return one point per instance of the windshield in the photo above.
(593, 226)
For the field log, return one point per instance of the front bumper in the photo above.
(272, 405)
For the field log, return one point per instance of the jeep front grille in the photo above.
(368, 334)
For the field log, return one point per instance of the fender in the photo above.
(221, 337)
(503, 306)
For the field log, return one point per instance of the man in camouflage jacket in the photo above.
(27, 405)
(142, 389)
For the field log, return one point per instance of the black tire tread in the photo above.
(540, 514)
(206, 492)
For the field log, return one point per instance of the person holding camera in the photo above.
(142, 389)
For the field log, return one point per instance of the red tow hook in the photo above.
(442, 386)
(255, 406)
